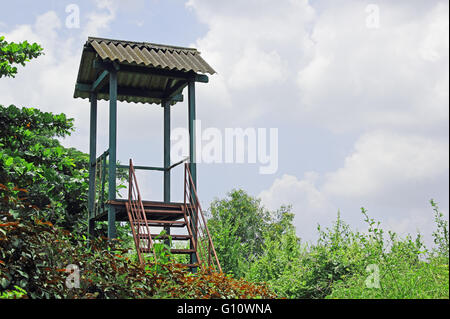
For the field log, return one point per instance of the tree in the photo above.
(240, 225)
(52, 179)
(37, 174)
(279, 263)
(16, 53)
(237, 225)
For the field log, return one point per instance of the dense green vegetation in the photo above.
(239, 226)
(35, 259)
(343, 263)
(33, 163)
(43, 205)
(35, 166)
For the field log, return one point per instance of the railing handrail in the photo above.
(100, 158)
(154, 168)
(139, 213)
(100, 171)
(178, 163)
(99, 166)
(197, 203)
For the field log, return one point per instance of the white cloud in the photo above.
(47, 24)
(254, 46)
(99, 21)
(256, 68)
(309, 204)
(435, 43)
(382, 161)
(317, 63)
(325, 66)
(362, 78)
(387, 173)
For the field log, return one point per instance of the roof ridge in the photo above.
(144, 44)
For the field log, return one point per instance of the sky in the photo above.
(357, 90)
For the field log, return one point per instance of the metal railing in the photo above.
(201, 240)
(138, 219)
(100, 184)
(101, 170)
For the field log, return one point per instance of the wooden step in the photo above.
(156, 223)
(162, 223)
(121, 213)
(174, 237)
(173, 251)
(189, 265)
(182, 251)
(146, 203)
(163, 211)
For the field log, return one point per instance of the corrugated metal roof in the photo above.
(147, 56)
(150, 54)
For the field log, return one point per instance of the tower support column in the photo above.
(92, 158)
(166, 106)
(192, 161)
(112, 152)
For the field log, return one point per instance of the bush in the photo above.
(35, 257)
(36, 167)
(401, 268)
(348, 264)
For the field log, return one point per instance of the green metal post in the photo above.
(112, 152)
(92, 157)
(191, 102)
(192, 159)
(166, 106)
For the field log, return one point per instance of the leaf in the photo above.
(9, 161)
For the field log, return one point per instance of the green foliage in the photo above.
(316, 267)
(16, 53)
(440, 235)
(35, 258)
(237, 225)
(403, 268)
(17, 293)
(341, 264)
(424, 280)
(31, 158)
(278, 264)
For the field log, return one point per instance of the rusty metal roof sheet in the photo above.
(146, 56)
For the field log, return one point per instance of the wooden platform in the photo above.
(158, 212)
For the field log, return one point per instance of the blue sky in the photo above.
(361, 109)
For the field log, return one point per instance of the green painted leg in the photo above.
(92, 157)
(112, 153)
(192, 154)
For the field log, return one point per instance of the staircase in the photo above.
(145, 216)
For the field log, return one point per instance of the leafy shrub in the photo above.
(17, 293)
(404, 267)
(343, 263)
(35, 255)
(278, 265)
(31, 158)
(239, 226)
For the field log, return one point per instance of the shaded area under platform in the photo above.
(155, 211)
